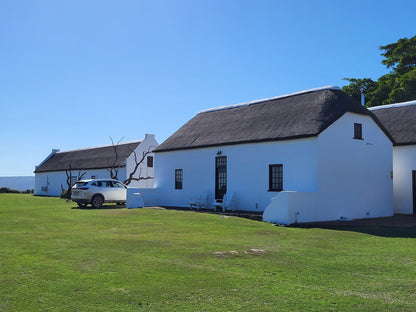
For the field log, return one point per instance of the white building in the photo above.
(314, 155)
(94, 163)
(400, 120)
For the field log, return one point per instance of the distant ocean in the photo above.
(18, 183)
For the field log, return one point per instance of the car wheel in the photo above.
(82, 205)
(97, 201)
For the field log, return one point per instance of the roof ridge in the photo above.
(400, 104)
(330, 87)
(95, 147)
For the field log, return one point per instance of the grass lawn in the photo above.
(55, 258)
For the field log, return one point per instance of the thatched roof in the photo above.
(89, 158)
(300, 115)
(400, 120)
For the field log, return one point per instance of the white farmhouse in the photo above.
(314, 155)
(400, 120)
(93, 163)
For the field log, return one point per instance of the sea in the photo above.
(22, 183)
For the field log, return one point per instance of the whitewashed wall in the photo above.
(148, 144)
(247, 172)
(354, 177)
(53, 180)
(404, 161)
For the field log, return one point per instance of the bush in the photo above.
(64, 194)
(4, 190)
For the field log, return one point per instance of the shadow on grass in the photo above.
(109, 206)
(382, 231)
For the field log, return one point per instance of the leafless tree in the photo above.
(137, 163)
(69, 180)
(113, 166)
(138, 160)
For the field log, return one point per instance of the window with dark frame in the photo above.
(178, 179)
(276, 178)
(150, 161)
(358, 131)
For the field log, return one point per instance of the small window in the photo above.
(178, 179)
(150, 161)
(276, 178)
(93, 177)
(358, 131)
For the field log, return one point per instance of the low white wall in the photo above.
(133, 198)
(293, 207)
(404, 161)
(151, 196)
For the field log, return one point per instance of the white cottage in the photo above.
(400, 120)
(310, 156)
(94, 163)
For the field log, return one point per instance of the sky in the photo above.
(80, 73)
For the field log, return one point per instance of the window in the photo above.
(358, 131)
(276, 178)
(150, 161)
(93, 177)
(178, 179)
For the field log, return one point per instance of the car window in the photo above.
(80, 184)
(118, 184)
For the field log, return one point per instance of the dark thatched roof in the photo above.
(400, 120)
(304, 114)
(89, 158)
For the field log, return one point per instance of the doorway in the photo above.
(220, 177)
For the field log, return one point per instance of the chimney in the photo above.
(54, 151)
(362, 99)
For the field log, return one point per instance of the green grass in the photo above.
(55, 258)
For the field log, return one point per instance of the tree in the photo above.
(397, 86)
(66, 193)
(113, 166)
(358, 86)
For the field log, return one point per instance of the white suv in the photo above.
(98, 192)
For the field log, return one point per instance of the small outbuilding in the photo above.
(400, 120)
(122, 161)
(314, 155)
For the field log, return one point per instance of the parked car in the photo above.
(97, 192)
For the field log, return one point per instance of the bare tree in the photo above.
(137, 163)
(69, 180)
(113, 166)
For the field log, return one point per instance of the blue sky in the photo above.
(75, 73)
